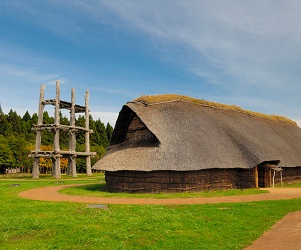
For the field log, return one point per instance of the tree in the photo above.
(64, 136)
(3, 122)
(46, 163)
(47, 136)
(100, 152)
(101, 129)
(47, 119)
(80, 122)
(94, 137)
(15, 121)
(20, 150)
(64, 164)
(26, 117)
(109, 130)
(34, 119)
(26, 127)
(6, 156)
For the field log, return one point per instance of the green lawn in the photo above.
(290, 185)
(27, 224)
(96, 190)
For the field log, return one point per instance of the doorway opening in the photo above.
(264, 173)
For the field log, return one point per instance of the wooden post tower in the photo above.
(56, 128)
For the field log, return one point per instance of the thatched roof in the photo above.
(194, 136)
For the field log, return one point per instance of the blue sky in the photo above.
(246, 53)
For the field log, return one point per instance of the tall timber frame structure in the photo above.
(56, 128)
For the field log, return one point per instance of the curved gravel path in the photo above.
(52, 194)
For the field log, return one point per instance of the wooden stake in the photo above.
(72, 137)
(36, 164)
(88, 159)
(56, 142)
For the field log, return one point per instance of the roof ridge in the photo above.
(205, 103)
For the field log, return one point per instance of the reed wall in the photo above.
(178, 181)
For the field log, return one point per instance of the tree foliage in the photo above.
(17, 139)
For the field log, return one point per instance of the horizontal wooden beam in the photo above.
(61, 127)
(66, 105)
(78, 153)
(51, 154)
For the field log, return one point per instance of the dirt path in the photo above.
(285, 234)
(52, 194)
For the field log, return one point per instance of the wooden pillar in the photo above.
(72, 138)
(256, 177)
(56, 141)
(72, 165)
(36, 164)
(88, 158)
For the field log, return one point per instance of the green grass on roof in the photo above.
(151, 99)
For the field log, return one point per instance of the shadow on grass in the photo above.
(93, 187)
(100, 190)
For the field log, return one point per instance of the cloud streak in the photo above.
(254, 43)
(28, 74)
(247, 41)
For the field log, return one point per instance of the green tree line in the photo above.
(17, 139)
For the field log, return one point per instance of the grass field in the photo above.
(27, 224)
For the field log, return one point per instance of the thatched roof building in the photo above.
(181, 134)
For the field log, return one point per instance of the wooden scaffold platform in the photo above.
(56, 128)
